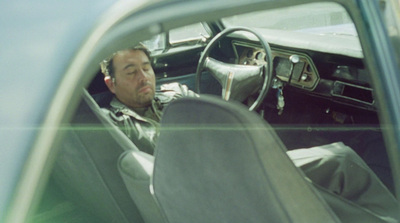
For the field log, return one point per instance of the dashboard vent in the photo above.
(353, 92)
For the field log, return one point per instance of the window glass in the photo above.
(155, 43)
(324, 27)
(318, 18)
(186, 33)
(392, 22)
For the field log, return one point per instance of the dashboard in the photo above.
(316, 75)
(294, 68)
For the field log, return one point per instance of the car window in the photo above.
(190, 32)
(312, 25)
(302, 18)
(391, 15)
(156, 43)
(314, 114)
(186, 35)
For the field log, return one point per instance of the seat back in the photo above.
(136, 169)
(86, 166)
(217, 162)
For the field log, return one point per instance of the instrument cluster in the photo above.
(294, 68)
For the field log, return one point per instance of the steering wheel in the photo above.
(238, 81)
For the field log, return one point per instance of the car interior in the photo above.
(308, 96)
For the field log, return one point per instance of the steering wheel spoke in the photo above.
(238, 81)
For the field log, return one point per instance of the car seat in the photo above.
(215, 161)
(86, 166)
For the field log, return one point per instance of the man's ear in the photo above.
(110, 84)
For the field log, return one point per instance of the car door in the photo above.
(383, 59)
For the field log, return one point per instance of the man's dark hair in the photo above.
(107, 67)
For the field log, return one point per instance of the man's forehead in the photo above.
(132, 56)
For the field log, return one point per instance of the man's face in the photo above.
(134, 83)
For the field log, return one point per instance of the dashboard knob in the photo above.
(294, 59)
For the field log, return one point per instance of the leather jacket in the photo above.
(143, 128)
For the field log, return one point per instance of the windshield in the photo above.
(323, 27)
(316, 18)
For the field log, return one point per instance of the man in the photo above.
(136, 107)
(351, 189)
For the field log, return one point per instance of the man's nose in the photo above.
(142, 75)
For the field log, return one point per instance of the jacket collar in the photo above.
(118, 107)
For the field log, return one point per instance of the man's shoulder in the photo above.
(172, 91)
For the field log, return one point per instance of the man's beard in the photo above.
(145, 98)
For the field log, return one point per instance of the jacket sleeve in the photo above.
(176, 90)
